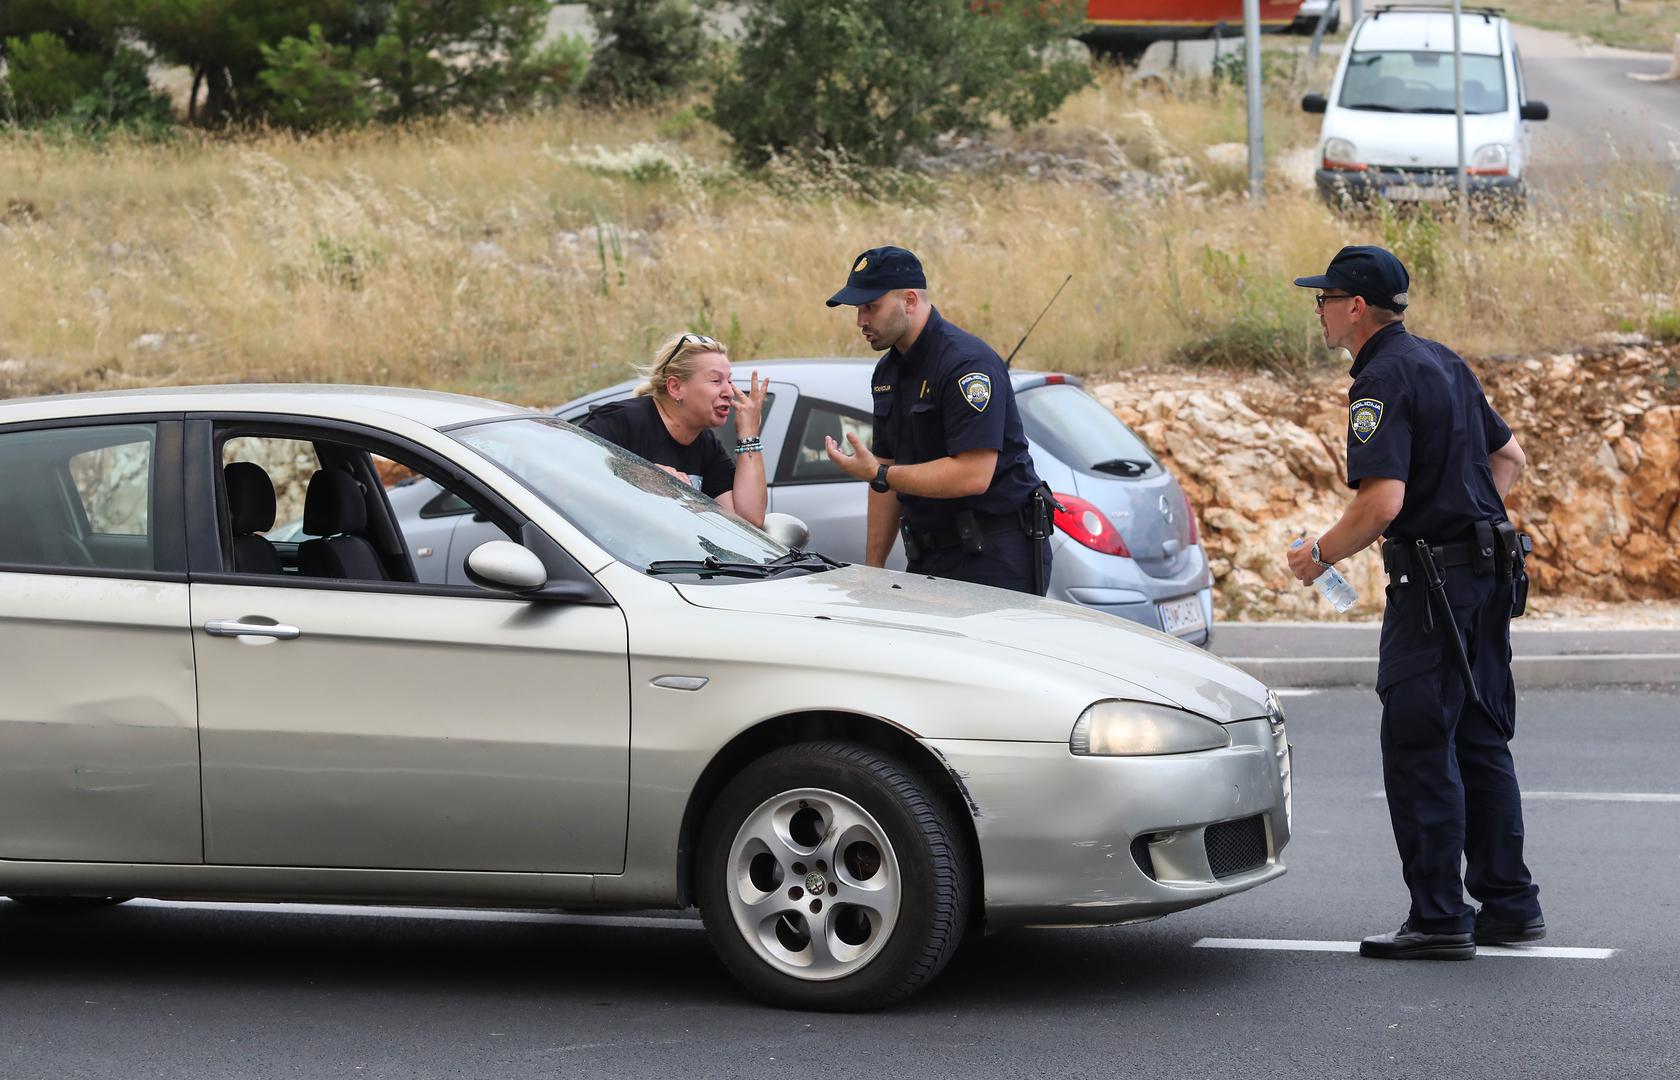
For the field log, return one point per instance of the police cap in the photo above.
(877, 271)
(1371, 272)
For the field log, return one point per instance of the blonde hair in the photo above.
(676, 356)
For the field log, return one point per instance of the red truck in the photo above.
(1124, 28)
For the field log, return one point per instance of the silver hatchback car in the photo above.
(625, 699)
(1128, 543)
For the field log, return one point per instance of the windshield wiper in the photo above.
(1123, 466)
(711, 564)
(805, 560)
(1371, 106)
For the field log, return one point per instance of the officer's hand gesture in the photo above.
(860, 464)
(749, 408)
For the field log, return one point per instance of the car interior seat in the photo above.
(250, 496)
(335, 511)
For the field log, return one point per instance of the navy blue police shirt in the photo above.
(1416, 413)
(949, 393)
(635, 424)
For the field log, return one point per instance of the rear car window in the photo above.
(1080, 431)
(78, 497)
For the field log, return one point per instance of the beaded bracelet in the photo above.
(749, 446)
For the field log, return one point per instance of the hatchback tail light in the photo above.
(1088, 525)
(1190, 513)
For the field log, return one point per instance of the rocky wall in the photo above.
(1263, 459)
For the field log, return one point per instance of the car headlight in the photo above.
(1341, 154)
(1494, 159)
(1136, 728)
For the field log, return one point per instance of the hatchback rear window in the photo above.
(1080, 431)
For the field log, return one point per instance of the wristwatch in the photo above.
(880, 481)
(1313, 555)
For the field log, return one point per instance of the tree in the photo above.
(64, 61)
(429, 56)
(313, 83)
(873, 78)
(647, 49)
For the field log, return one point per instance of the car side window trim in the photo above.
(208, 562)
(166, 516)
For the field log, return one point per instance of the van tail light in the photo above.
(1190, 513)
(1090, 526)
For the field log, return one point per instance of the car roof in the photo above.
(1428, 31)
(823, 376)
(428, 407)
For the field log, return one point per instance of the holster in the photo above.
(1038, 518)
(912, 550)
(1512, 553)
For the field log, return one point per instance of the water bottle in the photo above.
(1334, 586)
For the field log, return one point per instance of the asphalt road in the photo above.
(170, 991)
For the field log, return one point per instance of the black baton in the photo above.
(1442, 608)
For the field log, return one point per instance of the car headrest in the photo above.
(250, 497)
(333, 505)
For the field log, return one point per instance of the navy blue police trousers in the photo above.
(1452, 788)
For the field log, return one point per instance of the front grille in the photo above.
(1236, 847)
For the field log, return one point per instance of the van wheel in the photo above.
(830, 878)
(69, 904)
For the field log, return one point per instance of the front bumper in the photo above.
(1338, 187)
(1068, 840)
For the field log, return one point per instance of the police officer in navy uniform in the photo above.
(1431, 463)
(947, 464)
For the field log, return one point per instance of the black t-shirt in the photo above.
(635, 424)
(1416, 413)
(948, 394)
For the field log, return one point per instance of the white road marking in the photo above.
(1552, 952)
(1588, 796)
(558, 918)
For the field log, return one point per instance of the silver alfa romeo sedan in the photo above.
(629, 700)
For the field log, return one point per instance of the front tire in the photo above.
(829, 877)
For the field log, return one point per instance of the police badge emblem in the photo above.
(976, 390)
(862, 262)
(1363, 417)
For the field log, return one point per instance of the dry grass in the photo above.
(534, 258)
(1642, 24)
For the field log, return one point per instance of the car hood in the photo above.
(1163, 666)
(1416, 141)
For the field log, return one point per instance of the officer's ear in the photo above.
(911, 298)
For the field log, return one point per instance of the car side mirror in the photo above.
(504, 566)
(787, 530)
(1536, 110)
(1314, 103)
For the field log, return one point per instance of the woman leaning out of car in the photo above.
(688, 392)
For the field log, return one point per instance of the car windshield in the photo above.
(1079, 430)
(640, 514)
(1421, 82)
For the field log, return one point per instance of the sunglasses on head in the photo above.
(690, 339)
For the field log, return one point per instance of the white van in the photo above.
(1389, 126)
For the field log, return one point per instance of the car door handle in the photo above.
(240, 628)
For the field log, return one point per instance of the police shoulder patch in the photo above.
(976, 389)
(1363, 417)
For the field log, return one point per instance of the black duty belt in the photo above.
(1398, 559)
(950, 536)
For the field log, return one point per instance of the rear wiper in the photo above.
(711, 564)
(1123, 466)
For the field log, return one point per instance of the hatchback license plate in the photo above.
(1180, 617)
(1416, 193)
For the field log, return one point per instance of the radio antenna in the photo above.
(1011, 357)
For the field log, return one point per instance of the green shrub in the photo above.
(315, 84)
(648, 50)
(1238, 316)
(44, 78)
(871, 79)
(1665, 326)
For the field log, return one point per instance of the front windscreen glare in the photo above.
(622, 502)
(1421, 82)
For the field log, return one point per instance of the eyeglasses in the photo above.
(690, 339)
(1318, 301)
